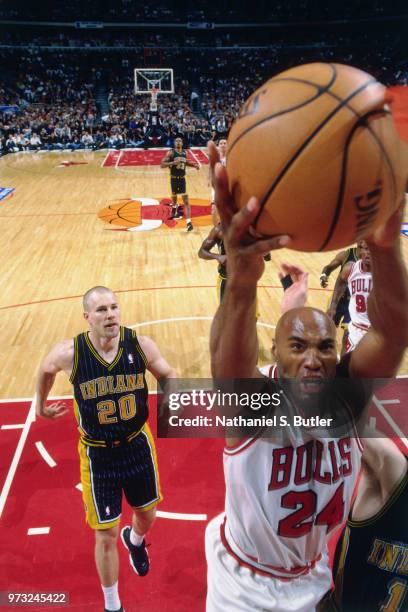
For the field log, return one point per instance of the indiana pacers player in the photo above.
(176, 160)
(341, 316)
(107, 366)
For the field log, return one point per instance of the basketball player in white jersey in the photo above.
(358, 278)
(366, 575)
(269, 551)
(222, 150)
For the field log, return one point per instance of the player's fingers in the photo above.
(59, 412)
(55, 405)
(304, 279)
(225, 204)
(292, 269)
(242, 221)
(59, 406)
(260, 247)
(213, 153)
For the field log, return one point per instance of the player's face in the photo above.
(178, 143)
(222, 147)
(364, 253)
(103, 315)
(305, 350)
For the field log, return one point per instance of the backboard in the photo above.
(160, 79)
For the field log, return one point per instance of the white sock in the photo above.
(111, 595)
(135, 538)
(188, 220)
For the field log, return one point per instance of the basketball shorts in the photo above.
(355, 334)
(221, 284)
(178, 185)
(342, 316)
(234, 587)
(107, 472)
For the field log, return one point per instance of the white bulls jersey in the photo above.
(281, 502)
(283, 499)
(359, 285)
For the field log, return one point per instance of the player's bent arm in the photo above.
(193, 165)
(339, 289)
(167, 161)
(60, 358)
(335, 263)
(385, 462)
(208, 244)
(156, 363)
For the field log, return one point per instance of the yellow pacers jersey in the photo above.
(178, 171)
(110, 399)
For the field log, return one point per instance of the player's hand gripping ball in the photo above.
(318, 146)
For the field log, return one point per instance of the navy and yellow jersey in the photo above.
(351, 255)
(342, 315)
(110, 399)
(178, 171)
(371, 561)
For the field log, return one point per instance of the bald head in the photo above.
(305, 344)
(299, 320)
(94, 291)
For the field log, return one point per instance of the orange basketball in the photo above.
(317, 145)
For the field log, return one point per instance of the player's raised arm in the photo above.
(339, 289)
(156, 363)
(61, 357)
(234, 342)
(327, 270)
(380, 352)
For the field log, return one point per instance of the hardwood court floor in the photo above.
(54, 248)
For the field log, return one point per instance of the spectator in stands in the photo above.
(35, 142)
(87, 140)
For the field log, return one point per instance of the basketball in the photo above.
(317, 145)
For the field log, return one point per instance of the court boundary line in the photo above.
(17, 455)
(104, 160)
(117, 161)
(45, 454)
(198, 162)
(385, 414)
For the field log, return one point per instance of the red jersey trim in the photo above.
(296, 571)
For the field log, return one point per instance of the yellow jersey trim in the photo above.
(139, 348)
(75, 366)
(108, 366)
(391, 500)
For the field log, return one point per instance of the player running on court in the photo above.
(107, 366)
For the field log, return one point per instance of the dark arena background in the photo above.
(84, 202)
